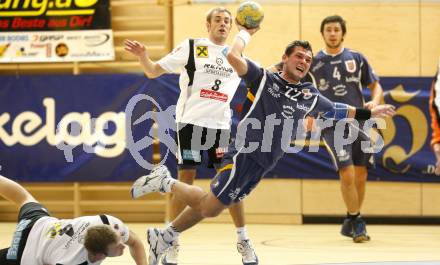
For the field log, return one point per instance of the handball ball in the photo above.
(250, 14)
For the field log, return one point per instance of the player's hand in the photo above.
(383, 111)
(250, 31)
(136, 48)
(370, 105)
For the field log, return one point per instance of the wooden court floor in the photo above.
(214, 244)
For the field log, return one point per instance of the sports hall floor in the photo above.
(214, 244)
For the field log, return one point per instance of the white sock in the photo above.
(170, 233)
(242, 233)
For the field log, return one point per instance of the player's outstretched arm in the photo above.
(14, 192)
(234, 55)
(383, 111)
(137, 250)
(151, 69)
(379, 111)
(338, 111)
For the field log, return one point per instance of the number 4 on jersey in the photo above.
(336, 73)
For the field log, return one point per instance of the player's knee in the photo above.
(210, 206)
(210, 212)
(361, 181)
(347, 179)
(199, 193)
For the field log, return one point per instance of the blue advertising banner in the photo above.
(406, 155)
(74, 128)
(99, 128)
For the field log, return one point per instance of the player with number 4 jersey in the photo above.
(341, 77)
(340, 74)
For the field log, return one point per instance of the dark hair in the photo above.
(333, 19)
(298, 43)
(218, 10)
(98, 238)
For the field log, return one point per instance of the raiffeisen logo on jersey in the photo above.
(34, 8)
(73, 129)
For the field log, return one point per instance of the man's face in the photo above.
(219, 26)
(297, 64)
(116, 249)
(333, 35)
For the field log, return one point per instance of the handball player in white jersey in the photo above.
(40, 239)
(203, 116)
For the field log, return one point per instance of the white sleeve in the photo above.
(177, 59)
(119, 227)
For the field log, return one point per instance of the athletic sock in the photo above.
(170, 233)
(353, 216)
(242, 234)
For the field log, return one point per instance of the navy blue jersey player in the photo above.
(341, 77)
(340, 74)
(275, 105)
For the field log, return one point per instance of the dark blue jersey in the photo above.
(272, 113)
(341, 77)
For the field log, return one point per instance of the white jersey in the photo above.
(56, 241)
(207, 83)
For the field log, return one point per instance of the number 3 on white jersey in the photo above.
(336, 73)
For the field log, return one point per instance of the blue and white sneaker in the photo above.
(158, 245)
(247, 252)
(359, 231)
(153, 182)
(347, 228)
(171, 255)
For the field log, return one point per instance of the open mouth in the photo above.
(300, 68)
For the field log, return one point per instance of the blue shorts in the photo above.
(238, 175)
(350, 154)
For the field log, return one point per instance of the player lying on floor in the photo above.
(41, 239)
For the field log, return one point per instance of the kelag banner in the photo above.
(74, 128)
(55, 31)
(99, 128)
